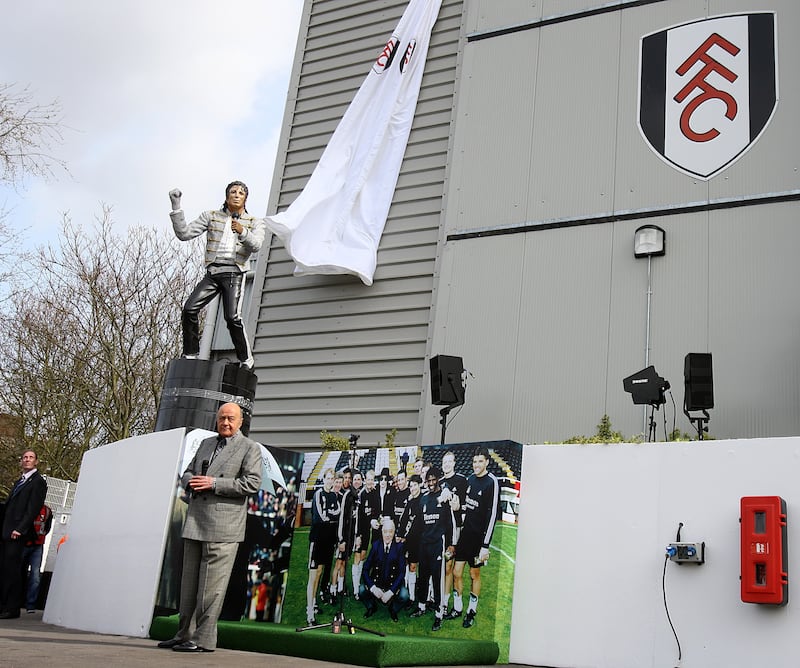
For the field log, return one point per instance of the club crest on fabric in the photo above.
(385, 58)
(707, 90)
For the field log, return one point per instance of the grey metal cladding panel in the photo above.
(334, 12)
(679, 311)
(405, 262)
(561, 361)
(295, 317)
(332, 403)
(714, 282)
(361, 415)
(349, 377)
(347, 321)
(302, 432)
(480, 288)
(358, 37)
(771, 164)
(755, 321)
(572, 170)
(493, 14)
(420, 177)
(319, 337)
(434, 109)
(489, 175)
(370, 20)
(318, 124)
(333, 346)
(313, 138)
(362, 42)
(313, 289)
(561, 7)
(436, 148)
(366, 415)
(336, 92)
(643, 180)
(284, 385)
(341, 72)
(324, 361)
(411, 254)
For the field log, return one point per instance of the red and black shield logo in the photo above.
(707, 90)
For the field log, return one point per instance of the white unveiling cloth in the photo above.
(335, 224)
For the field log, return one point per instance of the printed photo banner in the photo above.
(380, 482)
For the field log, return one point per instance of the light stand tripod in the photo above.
(340, 620)
(651, 433)
(654, 406)
(353, 454)
(701, 421)
(458, 392)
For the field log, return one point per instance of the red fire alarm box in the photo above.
(764, 553)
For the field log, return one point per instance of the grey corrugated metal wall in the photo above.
(331, 353)
(550, 321)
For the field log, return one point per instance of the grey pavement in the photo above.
(28, 641)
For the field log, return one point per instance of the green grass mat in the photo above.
(492, 623)
(362, 648)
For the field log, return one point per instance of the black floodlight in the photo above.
(646, 387)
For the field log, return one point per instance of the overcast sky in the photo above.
(155, 94)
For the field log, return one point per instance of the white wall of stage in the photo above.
(594, 525)
(107, 573)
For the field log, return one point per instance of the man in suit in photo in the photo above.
(384, 574)
(224, 472)
(21, 509)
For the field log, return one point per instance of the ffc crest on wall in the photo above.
(707, 90)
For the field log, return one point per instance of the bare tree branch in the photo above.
(85, 345)
(28, 131)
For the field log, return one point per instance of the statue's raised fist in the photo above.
(175, 198)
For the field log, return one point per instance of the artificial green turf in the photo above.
(409, 642)
(492, 623)
(362, 649)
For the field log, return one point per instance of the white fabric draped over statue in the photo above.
(335, 224)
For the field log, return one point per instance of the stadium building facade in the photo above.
(544, 137)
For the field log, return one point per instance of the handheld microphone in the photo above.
(203, 471)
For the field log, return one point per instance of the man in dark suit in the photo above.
(23, 505)
(224, 472)
(384, 574)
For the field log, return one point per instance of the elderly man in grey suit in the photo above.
(225, 471)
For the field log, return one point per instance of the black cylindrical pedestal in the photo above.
(195, 389)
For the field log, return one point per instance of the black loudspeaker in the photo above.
(447, 387)
(698, 382)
